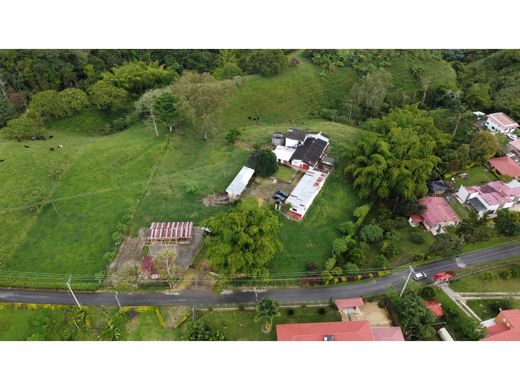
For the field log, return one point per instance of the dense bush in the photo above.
(265, 162)
(416, 238)
(267, 62)
(371, 233)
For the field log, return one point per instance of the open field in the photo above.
(98, 182)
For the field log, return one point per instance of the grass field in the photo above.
(21, 322)
(487, 308)
(487, 281)
(101, 178)
(284, 174)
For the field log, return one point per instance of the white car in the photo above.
(419, 276)
(512, 137)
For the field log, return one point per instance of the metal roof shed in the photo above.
(239, 183)
(305, 192)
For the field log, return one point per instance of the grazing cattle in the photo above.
(51, 136)
(26, 146)
(2, 160)
(60, 146)
(51, 149)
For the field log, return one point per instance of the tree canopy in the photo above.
(201, 98)
(244, 240)
(265, 162)
(395, 165)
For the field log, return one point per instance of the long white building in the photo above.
(305, 192)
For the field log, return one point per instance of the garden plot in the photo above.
(265, 187)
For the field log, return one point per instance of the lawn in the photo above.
(285, 98)
(452, 326)
(100, 178)
(488, 308)
(284, 174)
(487, 281)
(477, 175)
(241, 325)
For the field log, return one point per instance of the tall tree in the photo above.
(483, 146)
(244, 240)
(266, 311)
(201, 99)
(107, 97)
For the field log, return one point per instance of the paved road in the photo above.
(203, 297)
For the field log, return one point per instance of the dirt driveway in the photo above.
(265, 187)
(371, 312)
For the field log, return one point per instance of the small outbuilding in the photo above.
(239, 183)
(305, 192)
(170, 233)
(437, 187)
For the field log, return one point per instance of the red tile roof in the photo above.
(341, 331)
(437, 211)
(505, 166)
(506, 328)
(390, 333)
(147, 265)
(435, 307)
(349, 303)
(503, 119)
(316, 331)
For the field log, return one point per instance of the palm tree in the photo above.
(266, 310)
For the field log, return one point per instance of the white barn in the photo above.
(305, 192)
(239, 183)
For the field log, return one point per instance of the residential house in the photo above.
(337, 331)
(307, 155)
(437, 187)
(505, 166)
(438, 214)
(345, 330)
(239, 183)
(305, 192)
(500, 123)
(505, 327)
(284, 154)
(295, 138)
(490, 197)
(515, 146)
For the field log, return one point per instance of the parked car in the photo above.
(283, 193)
(278, 198)
(512, 137)
(419, 276)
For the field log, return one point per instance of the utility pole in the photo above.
(72, 292)
(118, 303)
(407, 280)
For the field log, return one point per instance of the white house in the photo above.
(501, 123)
(305, 192)
(239, 183)
(490, 197)
(283, 154)
(295, 138)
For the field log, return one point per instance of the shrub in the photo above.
(191, 187)
(233, 135)
(312, 266)
(381, 304)
(290, 312)
(371, 233)
(241, 307)
(428, 293)
(506, 274)
(265, 162)
(347, 228)
(416, 238)
(321, 310)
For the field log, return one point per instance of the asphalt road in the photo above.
(284, 295)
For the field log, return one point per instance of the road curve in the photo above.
(285, 295)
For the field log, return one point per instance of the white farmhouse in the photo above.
(500, 123)
(490, 197)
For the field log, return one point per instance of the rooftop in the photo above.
(437, 211)
(349, 303)
(311, 150)
(496, 192)
(171, 230)
(240, 181)
(306, 190)
(283, 153)
(505, 166)
(340, 331)
(296, 134)
(503, 119)
(506, 327)
(435, 307)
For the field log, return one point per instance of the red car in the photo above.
(443, 276)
